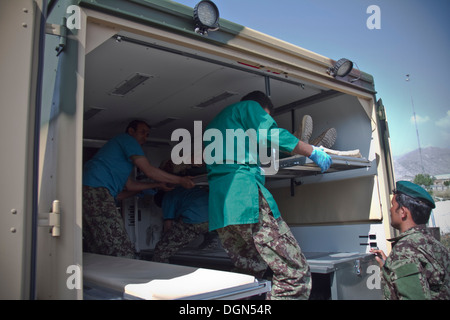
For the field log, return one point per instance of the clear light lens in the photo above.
(207, 14)
(344, 68)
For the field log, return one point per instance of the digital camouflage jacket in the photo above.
(417, 268)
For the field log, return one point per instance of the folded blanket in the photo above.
(350, 153)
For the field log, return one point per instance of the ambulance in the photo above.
(74, 73)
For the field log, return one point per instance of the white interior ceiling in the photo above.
(177, 84)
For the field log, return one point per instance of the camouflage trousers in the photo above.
(253, 247)
(179, 236)
(103, 227)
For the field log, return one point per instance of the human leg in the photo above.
(103, 228)
(179, 236)
(280, 250)
(237, 241)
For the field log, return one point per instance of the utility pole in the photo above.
(415, 122)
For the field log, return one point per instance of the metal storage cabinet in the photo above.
(352, 276)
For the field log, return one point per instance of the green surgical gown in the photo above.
(233, 197)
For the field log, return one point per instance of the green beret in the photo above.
(415, 191)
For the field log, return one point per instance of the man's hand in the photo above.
(321, 158)
(380, 256)
(186, 182)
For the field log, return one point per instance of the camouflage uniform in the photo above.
(103, 228)
(253, 247)
(417, 268)
(180, 235)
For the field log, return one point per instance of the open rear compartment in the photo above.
(335, 216)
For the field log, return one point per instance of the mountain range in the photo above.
(435, 160)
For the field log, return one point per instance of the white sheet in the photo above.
(157, 281)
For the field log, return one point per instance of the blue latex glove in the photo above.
(321, 158)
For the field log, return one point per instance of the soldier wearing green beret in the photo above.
(418, 266)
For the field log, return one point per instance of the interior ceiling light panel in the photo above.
(91, 112)
(215, 99)
(130, 84)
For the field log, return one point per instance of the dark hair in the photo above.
(420, 210)
(134, 124)
(261, 98)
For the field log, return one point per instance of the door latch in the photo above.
(357, 267)
(52, 219)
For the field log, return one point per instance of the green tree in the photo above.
(424, 179)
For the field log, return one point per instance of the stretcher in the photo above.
(297, 165)
(106, 277)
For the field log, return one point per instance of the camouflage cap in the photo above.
(415, 191)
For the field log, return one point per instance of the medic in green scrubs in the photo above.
(242, 210)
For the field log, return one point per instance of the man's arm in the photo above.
(134, 187)
(409, 284)
(303, 149)
(160, 175)
(138, 186)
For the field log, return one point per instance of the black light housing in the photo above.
(206, 17)
(341, 68)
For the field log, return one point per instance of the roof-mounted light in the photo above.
(341, 68)
(206, 17)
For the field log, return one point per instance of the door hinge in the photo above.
(61, 32)
(52, 219)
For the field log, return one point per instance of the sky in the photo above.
(413, 38)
